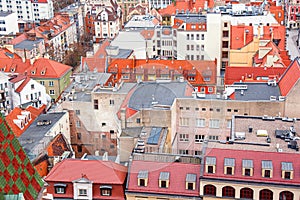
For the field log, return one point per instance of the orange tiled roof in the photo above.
(192, 6)
(147, 34)
(47, 68)
(14, 65)
(290, 77)
(57, 146)
(5, 53)
(35, 112)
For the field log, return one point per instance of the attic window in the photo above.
(164, 179)
(229, 164)
(190, 181)
(32, 72)
(142, 178)
(210, 165)
(247, 167)
(287, 170)
(43, 72)
(267, 168)
(60, 188)
(105, 190)
(12, 69)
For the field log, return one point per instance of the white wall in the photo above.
(11, 24)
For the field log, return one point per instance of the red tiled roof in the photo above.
(257, 157)
(72, 169)
(290, 77)
(5, 53)
(35, 112)
(51, 68)
(57, 146)
(248, 74)
(199, 66)
(177, 179)
(17, 78)
(147, 34)
(95, 63)
(192, 6)
(15, 65)
(19, 39)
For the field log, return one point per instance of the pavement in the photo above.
(292, 47)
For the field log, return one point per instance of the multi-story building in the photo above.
(162, 176)
(8, 23)
(53, 75)
(103, 20)
(29, 10)
(59, 35)
(80, 179)
(26, 91)
(292, 19)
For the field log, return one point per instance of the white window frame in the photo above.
(214, 123)
(200, 122)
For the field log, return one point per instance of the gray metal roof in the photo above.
(266, 164)
(164, 176)
(229, 162)
(28, 44)
(149, 94)
(143, 174)
(287, 166)
(247, 164)
(34, 139)
(191, 18)
(191, 178)
(256, 91)
(211, 160)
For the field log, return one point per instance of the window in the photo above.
(138, 120)
(267, 167)
(286, 195)
(200, 122)
(184, 121)
(60, 188)
(32, 86)
(188, 36)
(183, 151)
(164, 179)
(229, 164)
(210, 190)
(79, 136)
(214, 123)
(202, 47)
(51, 83)
(187, 47)
(287, 170)
(142, 178)
(96, 104)
(190, 181)
(246, 193)
(228, 191)
(265, 194)
(77, 112)
(213, 137)
(199, 138)
(202, 36)
(203, 109)
(52, 92)
(79, 148)
(225, 33)
(197, 153)
(210, 164)
(82, 192)
(111, 102)
(183, 137)
(247, 167)
(225, 24)
(197, 37)
(78, 124)
(267, 173)
(105, 190)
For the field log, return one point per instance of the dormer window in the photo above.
(247, 167)
(33, 72)
(287, 170)
(229, 164)
(210, 165)
(267, 168)
(143, 178)
(105, 190)
(60, 188)
(164, 179)
(190, 182)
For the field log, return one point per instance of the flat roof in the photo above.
(35, 135)
(247, 126)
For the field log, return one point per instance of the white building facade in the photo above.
(8, 23)
(31, 10)
(28, 92)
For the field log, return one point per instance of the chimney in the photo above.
(133, 62)
(123, 118)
